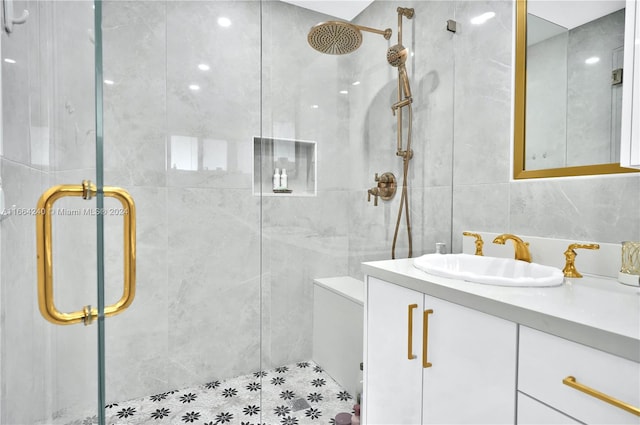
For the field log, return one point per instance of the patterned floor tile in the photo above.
(296, 394)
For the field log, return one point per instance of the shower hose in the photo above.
(404, 199)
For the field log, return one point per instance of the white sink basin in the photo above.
(489, 270)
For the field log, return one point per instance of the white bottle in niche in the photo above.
(283, 179)
(276, 179)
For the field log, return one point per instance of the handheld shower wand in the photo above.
(397, 57)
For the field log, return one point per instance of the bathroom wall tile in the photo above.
(482, 98)
(431, 71)
(301, 96)
(214, 287)
(135, 103)
(585, 209)
(480, 207)
(15, 105)
(225, 110)
(137, 348)
(291, 290)
(26, 372)
(303, 238)
(72, 116)
(371, 231)
(431, 209)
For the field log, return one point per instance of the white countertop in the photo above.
(595, 311)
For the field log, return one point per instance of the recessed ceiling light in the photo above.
(7, 60)
(355, 83)
(109, 82)
(592, 60)
(224, 22)
(204, 67)
(481, 19)
(194, 87)
(344, 92)
(315, 106)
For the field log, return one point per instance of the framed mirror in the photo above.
(568, 88)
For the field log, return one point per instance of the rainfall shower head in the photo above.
(339, 38)
(397, 57)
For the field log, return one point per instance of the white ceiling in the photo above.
(342, 9)
(572, 13)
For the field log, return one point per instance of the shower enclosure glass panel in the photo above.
(180, 117)
(48, 372)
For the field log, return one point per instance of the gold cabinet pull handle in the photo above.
(571, 381)
(46, 302)
(425, 337)
(410, 354)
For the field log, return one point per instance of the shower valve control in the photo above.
(385, 189)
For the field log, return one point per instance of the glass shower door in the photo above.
(181, 110)
(51, 249)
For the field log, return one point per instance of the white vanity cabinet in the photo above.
(431, 361)
(490, 361)
(546, 360)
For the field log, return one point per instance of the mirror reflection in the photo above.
(572, 98)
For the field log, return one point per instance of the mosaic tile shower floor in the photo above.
(296, 394)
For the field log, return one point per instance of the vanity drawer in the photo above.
(546, 360)
(532, 412)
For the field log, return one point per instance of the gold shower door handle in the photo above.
(425, 337)
(45, 256)
(571, 381)
(410, 354)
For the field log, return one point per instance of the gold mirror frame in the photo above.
(520, 94)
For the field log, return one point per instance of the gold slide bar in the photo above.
(45, 255)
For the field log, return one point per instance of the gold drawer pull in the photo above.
(571, 381)
(410, 354)
(425, 337)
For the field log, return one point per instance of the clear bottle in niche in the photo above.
(283, 179)
(276, 179)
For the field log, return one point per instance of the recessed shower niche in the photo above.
(297, 157)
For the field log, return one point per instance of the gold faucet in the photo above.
(479, 241)
(522, 247)
(570, 255)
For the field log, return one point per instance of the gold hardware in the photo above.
(407, 12)
(87, 318)
(338, 37)
(88, 189)
(570, 255)
(410, 354)
(521, 247)
(385, 189)
(571, 381)
(425, 337)
(479, 241)
(45, 254)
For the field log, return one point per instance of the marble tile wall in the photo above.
(222, 271)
